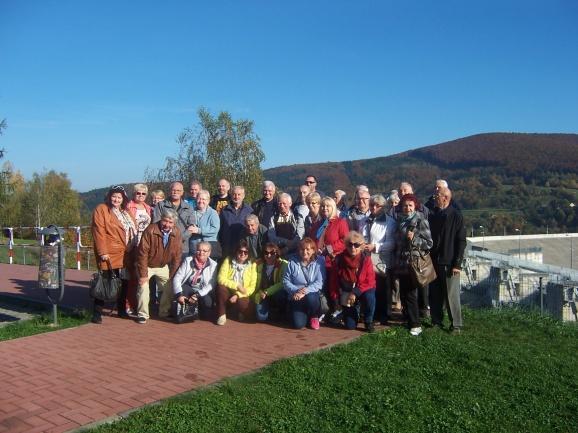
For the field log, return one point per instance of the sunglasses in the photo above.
(243, 252)
(117, 188)
(310, 182)
(270, 253)
(354, 244)
(140, 193)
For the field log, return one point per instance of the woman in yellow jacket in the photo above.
(237, 282)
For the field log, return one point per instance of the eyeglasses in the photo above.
(243, 252)
(140, 193)
(354, 244)
(269, 253)
(203, 251)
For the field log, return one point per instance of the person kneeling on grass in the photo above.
(354, 281)
(237, 282)
(270, 296)
(302, 281)
(195, 280)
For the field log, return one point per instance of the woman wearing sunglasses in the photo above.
(237, 281)
(354, 280)
(270, 298)
(141, 212)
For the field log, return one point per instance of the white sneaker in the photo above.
(415, 331)
(222, 320)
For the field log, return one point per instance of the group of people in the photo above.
(308, 261)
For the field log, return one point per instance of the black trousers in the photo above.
(408, 293)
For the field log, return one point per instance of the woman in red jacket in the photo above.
(114, 234)
(353, 278)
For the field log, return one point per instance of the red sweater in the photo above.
(365, 281)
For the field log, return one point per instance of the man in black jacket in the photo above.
(449, 243)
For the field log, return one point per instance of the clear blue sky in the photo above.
(99, 89)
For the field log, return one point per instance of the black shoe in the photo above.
(96, 318)
(369, 327)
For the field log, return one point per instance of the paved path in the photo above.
(62, 380)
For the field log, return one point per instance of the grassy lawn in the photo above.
(40, 323)
(509, 371)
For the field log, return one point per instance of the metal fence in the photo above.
(29, 254)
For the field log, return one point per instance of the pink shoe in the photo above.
(314, 323)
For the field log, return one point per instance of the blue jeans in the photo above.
(278, 301)
(351, 314)
(304, 309)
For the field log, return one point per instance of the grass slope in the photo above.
(510, 371)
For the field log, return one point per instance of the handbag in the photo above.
(187, 312)
(422, 271)
(379, 264)
(105, 285)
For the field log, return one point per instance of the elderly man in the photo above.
(359, 212)
(407, 188)
(222, 198)
(449, 242)
(286, 228)
(186, 218)
(158, 256)
(265, 207)
(194, 190)
(233, 219)
(431, 202)
(256, 236)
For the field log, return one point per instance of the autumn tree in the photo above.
(217, 147)
(49, 199)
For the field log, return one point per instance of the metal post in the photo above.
(541, 297)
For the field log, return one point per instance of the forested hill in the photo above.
(501, 180)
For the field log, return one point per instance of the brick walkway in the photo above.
(62, 380)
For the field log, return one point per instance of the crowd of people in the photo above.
(309, 261)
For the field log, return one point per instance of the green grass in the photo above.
(42, 322)
(509, 371)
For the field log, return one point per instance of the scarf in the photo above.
(127, 224)
(198, 267)
(349, 266)
(239, 270)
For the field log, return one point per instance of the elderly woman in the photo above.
(270, 295)
(237, 282)
(196, 278)
(314, 204)
(379, 234)
(141, 212)
(413, 237)
(340, 198)
(157, 196)
(354, 280)
(115, 236)
(302, 282)
(207, 226)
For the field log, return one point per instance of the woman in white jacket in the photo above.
(195, 280)
(379, 234)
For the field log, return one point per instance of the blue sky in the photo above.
(100, 89)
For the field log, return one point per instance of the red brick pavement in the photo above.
(22, 281)
(62, 380)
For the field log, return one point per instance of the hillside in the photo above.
(502, 181)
